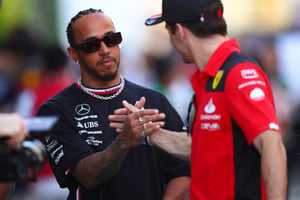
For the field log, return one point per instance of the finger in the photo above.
(150, 126)
(121, 111)
(142, 113)
(155, 117)
(117, 118)
(153, 128)
(116, 125)
(140, 104)
(119, 130)
(129, 106)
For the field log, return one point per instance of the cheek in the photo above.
(115, 53)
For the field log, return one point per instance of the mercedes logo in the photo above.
(82, 109)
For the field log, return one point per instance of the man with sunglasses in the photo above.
(87, 156)
(234, 142)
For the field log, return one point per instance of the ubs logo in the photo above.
(82, 109)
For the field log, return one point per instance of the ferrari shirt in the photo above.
(234, 104)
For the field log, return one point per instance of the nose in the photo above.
(103, 48)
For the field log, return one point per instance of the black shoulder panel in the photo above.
(217, 83)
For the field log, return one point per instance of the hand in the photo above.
(12, 127)
(131, 119)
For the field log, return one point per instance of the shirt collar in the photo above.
(220, 55)
(216, 60)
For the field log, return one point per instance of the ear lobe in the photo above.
(72, 52)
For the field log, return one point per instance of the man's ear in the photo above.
(74, 54)
(181, 31)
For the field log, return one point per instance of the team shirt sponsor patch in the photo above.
(249, 83)
(209, 109)
(257, 94)
(249, 73)
(55, 149)
(274, 126)
(210, 126)
(88, 125)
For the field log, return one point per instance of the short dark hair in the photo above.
(213, 23)
(70, 31)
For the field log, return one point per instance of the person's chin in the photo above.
(109, 76)
(186, 61)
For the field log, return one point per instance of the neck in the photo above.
(98, 83)
(203, 48)
(103, 94)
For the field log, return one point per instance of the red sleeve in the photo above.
(250, 97)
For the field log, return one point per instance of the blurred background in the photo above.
(34, 64)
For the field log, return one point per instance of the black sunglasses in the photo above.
(94, 44)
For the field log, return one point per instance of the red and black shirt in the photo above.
(234, 104)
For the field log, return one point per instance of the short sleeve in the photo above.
(65, 149)
(250, 99)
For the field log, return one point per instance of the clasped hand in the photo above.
(137, 122)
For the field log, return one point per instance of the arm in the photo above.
(177, 189)
(177, 144)
(172, 142)
(273, 164)
(101, 166)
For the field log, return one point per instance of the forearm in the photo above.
(177, 144)
(273, 164)
(101, 166)
(275, 173)
(177, 189)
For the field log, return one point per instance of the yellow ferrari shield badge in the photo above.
(217, 79)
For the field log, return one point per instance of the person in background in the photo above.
(12, 132)
(86, 155)
(12, 128)
(52, 76)
(233, 140)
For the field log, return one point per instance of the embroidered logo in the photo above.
(217, 79)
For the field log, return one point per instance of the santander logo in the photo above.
(210, 107)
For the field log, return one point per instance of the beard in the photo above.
(93, 72)
(109, 77)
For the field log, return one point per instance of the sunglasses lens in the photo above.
(91, 46)
(113, 39)
(94, 45)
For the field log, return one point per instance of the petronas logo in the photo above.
(217, 79)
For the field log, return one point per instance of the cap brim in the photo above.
(155, 19)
